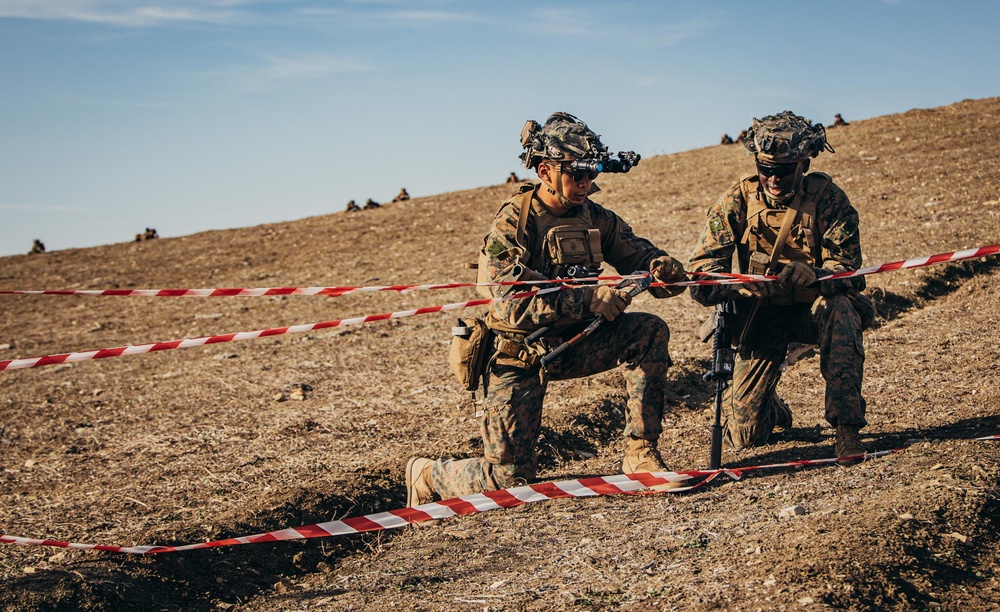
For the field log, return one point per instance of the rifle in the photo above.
(723, 360)
(635, 287)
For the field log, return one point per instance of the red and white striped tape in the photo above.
(135, 349)
(323, 291)
(460, 506)
(920, 262)
(31, 362)
(715, 278)
(996, 437)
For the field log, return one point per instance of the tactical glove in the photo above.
(798, 274)
(606, 301)
(762, 289)
(666, 269)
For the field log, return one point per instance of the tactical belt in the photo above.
(516, 349)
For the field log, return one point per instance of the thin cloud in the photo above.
(119, 13)
(284, 69)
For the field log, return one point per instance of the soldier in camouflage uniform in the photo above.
(562, 233)
(823, 239)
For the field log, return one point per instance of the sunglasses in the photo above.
(578, 174)
(778, 170)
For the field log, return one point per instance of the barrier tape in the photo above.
(717, 278)
(464, 505)
(135, 349)
(996, 437)
(324, 291)
(727, 278)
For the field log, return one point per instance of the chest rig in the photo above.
(565, 247)
(767, 245)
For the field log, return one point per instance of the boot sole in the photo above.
(411, 491)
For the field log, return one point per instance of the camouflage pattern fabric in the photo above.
(508, 261)
(513, 416)
(833, 320)
(840, 245)
(785, 137)
(512, 419)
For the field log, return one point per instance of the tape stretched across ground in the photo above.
(33, 362)
(460, 506)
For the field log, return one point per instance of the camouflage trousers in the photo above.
(832, 322)
(512, 417)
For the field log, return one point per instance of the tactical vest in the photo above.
(763, 223)
(564, 246)
(568, 246)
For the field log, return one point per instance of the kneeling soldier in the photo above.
(801, 227)
(553, 230)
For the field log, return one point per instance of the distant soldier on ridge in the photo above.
(37, 247)
(371, 204)
(838, 120)
(149, 234)
(402, 196)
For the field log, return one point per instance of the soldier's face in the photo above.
(576, 191)
(778, 180)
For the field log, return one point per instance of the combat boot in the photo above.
(642, 456)
(419, 486)
(782, 413)
(848, 443)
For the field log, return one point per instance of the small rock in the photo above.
(280, 397)
(906, 516)
(805, 601)
(958, 536)
(5, 346)
(795, 510)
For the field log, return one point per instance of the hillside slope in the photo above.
(193, 444)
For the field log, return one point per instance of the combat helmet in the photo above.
(785, 138)
(562, 138)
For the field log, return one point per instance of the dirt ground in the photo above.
(198, 444)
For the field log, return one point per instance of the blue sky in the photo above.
(190, 115)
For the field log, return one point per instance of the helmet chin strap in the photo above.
(558, 191)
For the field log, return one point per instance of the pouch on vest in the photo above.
(574, 245)
(470, 344)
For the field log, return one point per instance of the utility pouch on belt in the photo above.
(758, 263)
(471, 342)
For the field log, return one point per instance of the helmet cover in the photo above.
(785, 138)
(562, 138)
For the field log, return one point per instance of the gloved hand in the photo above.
(756, 290)
(798, 274)
(606, 301)
(666, 269)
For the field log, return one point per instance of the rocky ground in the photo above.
(198, 444)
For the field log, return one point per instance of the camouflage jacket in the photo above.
(507, 261)
(840, 245)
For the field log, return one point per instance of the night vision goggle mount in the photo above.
(626, 160)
